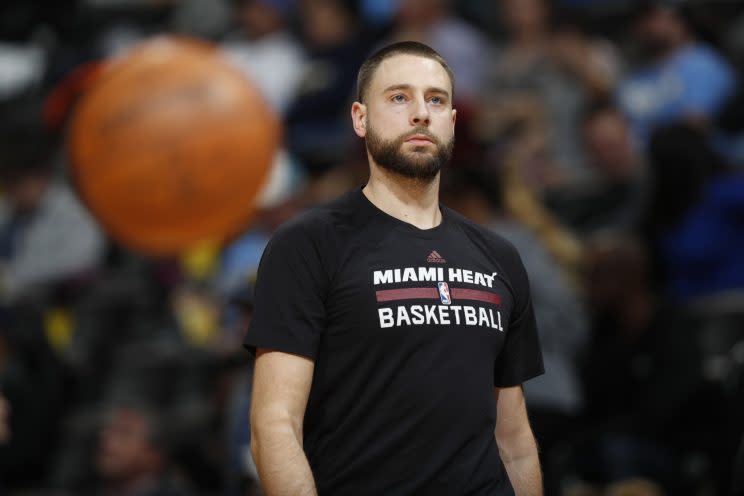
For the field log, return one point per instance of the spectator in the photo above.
(265, 49)
(132, 457)
(317, 120)
(46, 235)
(655, 407)
(637, 371)
(693, 219)
(612, 197)
(526, 162)
(729, 125)
(553, 72)
(680, 79)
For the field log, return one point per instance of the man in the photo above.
(392, 335)
(46, 235)
(612, 197)
(683, 79)
(132, 459)
(266, 51)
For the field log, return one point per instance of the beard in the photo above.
(419, 163)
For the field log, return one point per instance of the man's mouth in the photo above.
(420, 139)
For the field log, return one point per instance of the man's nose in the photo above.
(420, 112)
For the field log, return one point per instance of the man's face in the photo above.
(25, 193)
(124, 449)
(609, 145)
(524, 15)
(656, 31)
(407, 117)
(258, 18)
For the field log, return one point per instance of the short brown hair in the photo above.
(368, 68)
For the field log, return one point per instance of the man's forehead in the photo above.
(410, 70)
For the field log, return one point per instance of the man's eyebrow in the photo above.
(432, 89)
(396, 87)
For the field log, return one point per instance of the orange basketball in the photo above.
(171, 145)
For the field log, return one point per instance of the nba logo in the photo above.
(444, 293)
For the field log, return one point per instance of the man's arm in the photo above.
(281, 385)
(516, 442)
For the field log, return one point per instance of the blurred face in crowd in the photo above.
(258, 18)
(524, 16)
(26, 192)
(616, 268)
(609, 145)
(660, 31)
(407, 117)
(420, 12)
(125, 450)
(326, 22)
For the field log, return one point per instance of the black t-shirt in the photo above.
(410, 331)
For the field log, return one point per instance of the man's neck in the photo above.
(410, 200)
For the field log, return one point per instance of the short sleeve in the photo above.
(521, 358)
(289, 298)
(708, 82)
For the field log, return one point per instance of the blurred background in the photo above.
(604, 138)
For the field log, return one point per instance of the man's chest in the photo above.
(422, 289)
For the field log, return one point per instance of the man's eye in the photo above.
(399, 98)
(436, 100)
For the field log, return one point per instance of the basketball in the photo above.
(170, 146)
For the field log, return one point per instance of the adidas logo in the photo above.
(435, 257)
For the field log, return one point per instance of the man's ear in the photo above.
(359, 119)
(454, 119)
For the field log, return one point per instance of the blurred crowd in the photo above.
(604, 138)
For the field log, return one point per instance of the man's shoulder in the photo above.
(320, 221)
(702, 61)
(480, 233)
(700, 52)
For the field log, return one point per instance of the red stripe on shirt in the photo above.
(475, 294)
(433, 294)
(407, 294)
